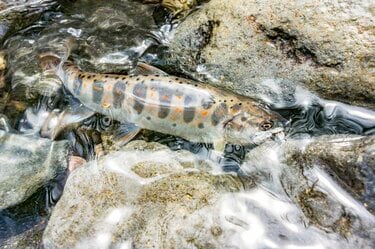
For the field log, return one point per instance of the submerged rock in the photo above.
(148, 196)
(16, 15)
(144, 196)
(26, 164)
(243, 44)
(349, 159)
(298, 168)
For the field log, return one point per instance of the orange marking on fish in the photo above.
(179, 109)
(179, 97)
(165, 97)
(108, 87)
(204, 113)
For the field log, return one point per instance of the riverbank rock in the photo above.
(244, 45)
(329, 178)
(26, 164)
(297, 169)
(349, 160)
(16, 15)
(146, 196)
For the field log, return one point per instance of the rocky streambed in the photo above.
(313, 188)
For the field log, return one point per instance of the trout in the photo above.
(177, 106)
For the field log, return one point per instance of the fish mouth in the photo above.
(276, 134)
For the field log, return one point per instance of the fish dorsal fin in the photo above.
(146, 69)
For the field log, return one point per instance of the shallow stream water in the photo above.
(111, 37)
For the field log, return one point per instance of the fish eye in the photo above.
(266, 125)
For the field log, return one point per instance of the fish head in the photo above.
(255, 126)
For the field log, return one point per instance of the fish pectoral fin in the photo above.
(219, 146)
(58, 121)
(125, 133)
(146, 69)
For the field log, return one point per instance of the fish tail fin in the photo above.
(51, 65)
(49, 82)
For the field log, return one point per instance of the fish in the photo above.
(151, 99)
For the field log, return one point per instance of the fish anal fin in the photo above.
(219, 146)
(146, 69)
(125, 133)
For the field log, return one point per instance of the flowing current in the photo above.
(277, 195)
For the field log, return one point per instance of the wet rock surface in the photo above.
(307, 182)
(144, 196)
(325, 46)
(147, 196)
(26, 164)
(18, 14)
(347, 159)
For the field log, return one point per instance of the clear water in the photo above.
(111, 36)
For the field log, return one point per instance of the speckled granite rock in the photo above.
(349, 159)
(326, 46)
(26, 163)
(146, 196)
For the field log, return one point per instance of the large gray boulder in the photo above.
(326, 46)
(26, 164)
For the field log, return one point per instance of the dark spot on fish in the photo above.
(240, 103)
(89, 77)
(243, 119)
(231, 100)
(189, 111)
(148, 118)
(118, 94)
(157, 75)
(106, 76)
(195, 84)
(152, 79)
(236, 107)
(117, 77)
(225, 101)
(97, 92)
(137, 79)
(169, 81)
(219, 114)
(140, 93)
(200, 125)
(176, 78)
(165, 98)
(123, 78)
(174, 125)
(77, 85)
